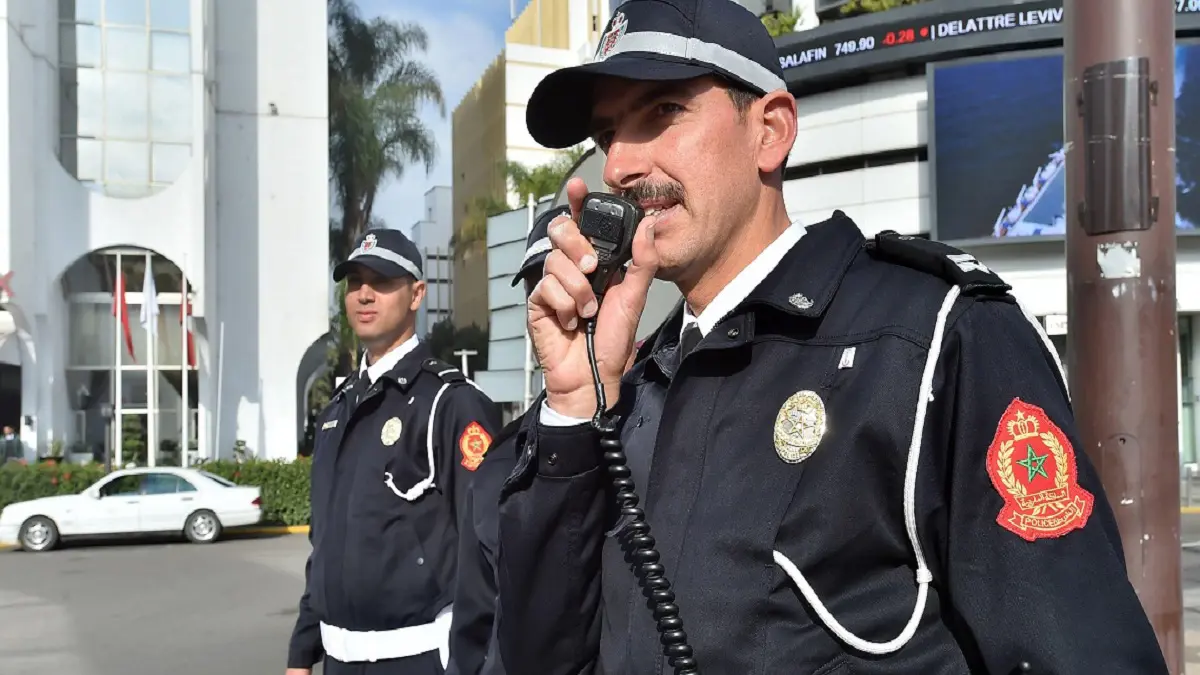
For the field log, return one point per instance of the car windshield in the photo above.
(217, 479)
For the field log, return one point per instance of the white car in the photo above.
(134, 501)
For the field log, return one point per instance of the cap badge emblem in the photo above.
(799, 426)
(391, 431)
(368, 242)
(616, 30)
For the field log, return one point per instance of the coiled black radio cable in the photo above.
(650, 572)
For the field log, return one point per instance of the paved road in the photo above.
(179, 609)
(151, 609)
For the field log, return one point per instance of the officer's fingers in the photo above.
(576, 191)
(554, 299)
(573, 282)
(565, 236)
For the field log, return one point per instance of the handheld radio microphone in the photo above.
(610, 222)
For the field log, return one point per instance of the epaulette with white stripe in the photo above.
(444, 371)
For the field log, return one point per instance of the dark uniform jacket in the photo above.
(1023, 566)
(473, 649)
(381, 561)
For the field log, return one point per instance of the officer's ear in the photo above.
(776, 114)
(418, 294)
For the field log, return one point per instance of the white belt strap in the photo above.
(350, 646)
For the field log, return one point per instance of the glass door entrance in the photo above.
(133, 434)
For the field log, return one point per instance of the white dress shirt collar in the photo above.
(746, 281)
(388, 360)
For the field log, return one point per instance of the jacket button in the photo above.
(403, 380)
(733, 333)
(420, 561)
(552, 458)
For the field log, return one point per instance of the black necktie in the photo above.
(689, 340)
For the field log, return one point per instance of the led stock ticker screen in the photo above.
(931, 31)
(996, 147)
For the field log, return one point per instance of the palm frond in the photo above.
(377, 90)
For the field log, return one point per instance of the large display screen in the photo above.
(927, 30)
(997, 147)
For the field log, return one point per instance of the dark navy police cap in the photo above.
(385, 251)
(537, 244)
(657, 40)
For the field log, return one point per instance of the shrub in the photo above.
(285, 485)
(20, 482)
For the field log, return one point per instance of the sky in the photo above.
(464, 37)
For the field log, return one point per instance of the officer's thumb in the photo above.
(635, 286)
(577, 190)
(640, 273)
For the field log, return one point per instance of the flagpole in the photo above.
(217, 412)
(149, 307)
(185, 411)
(118, 435)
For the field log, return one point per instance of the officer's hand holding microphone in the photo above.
(563, 301)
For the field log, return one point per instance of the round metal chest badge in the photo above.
(391, 431)
(799, 426)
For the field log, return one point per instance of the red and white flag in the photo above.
(120, 309)
(185, 321)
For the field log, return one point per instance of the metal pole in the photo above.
(527, 395)
(218, 412)
(185, 412)
(1119, 109)
(118, 372)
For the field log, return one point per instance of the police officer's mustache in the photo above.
(645, 192)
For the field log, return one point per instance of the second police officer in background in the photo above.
(394, 455)
(855, 456)
(473, 650)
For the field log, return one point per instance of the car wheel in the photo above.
(202, 527)
(38, 534)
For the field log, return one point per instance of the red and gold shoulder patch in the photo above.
(1032, 465)
(473, 444)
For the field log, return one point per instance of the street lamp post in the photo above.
(464, 353)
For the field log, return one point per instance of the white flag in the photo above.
(149, 315)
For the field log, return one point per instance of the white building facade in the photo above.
(432, 236)
(187, 138)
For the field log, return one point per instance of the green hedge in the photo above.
(285, 485)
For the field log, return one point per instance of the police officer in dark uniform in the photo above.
(472, 648)
(838, 455)
(396, 450)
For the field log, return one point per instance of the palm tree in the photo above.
(376, 91)
(543, 180)
(856, 7)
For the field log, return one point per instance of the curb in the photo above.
(300, 529)
(250, 531)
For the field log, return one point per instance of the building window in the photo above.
(125, 94)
